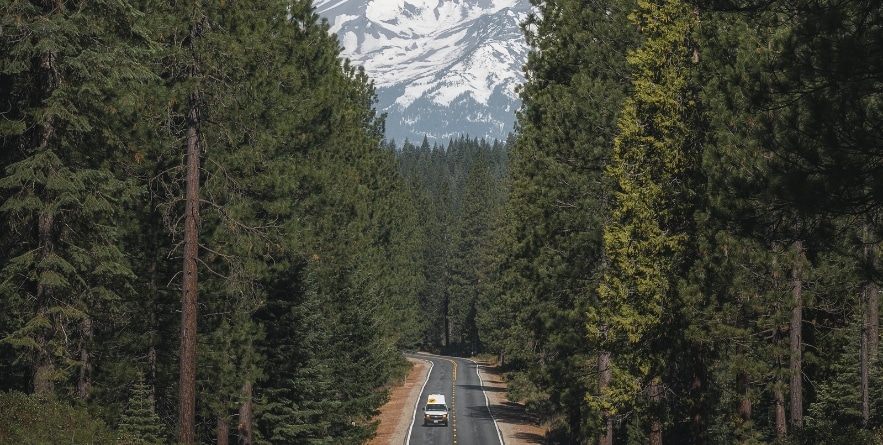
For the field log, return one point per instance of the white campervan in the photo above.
(436, 410)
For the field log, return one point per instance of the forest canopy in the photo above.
(206, 237)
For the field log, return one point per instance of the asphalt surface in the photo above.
(470, 421)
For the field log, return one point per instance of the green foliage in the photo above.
(664, 166)
(38, 420)
(139, 424)
(296, 392)
(471, 266)
(67, 73)
(296, 192)
(457, 191)
(559, 194)
(835, 417)
(652, 165)
(732, 146)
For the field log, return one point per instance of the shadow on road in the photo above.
(486, 388)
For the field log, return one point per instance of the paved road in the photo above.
(471, 422)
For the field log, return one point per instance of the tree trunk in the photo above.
(605, 376)
(47, 81)
(574, 422)
(245, 415)
(744, 410)
(84, 382)
(447, 320)
(778, 385)
(796, 341)
(873, 303)
(865, 367)
(223, 433)
(187, 388)
(654, 393)
(779, 401)
(43, 366)
(153, 339)
(699, 428)
(873, 321)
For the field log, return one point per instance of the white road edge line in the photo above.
(417, 405)
(487, 403)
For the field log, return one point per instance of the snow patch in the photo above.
(436, 53)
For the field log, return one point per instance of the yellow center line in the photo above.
(453, 413)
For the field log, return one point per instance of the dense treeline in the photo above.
(690, 244)
(206, 238)
(203, 236)
(461, 190)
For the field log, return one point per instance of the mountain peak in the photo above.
(442, 68)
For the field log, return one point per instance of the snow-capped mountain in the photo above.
(442, 68)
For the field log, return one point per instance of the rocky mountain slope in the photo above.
(442, 68)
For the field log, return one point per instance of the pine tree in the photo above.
(139, 424)
(471, 266)
(297, 389)
(576, 83)
(648, 238)
(66, 70)
(825, 72)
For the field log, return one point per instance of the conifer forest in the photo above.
(206, 236)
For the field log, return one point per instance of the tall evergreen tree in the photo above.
(471, 266)
(648, 238)
(576, 81)
(66, 68)
(819, 105)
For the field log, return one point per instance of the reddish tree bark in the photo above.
(84, 382)
(187, 386)
(870, 323)
(655, 393)
(779, 401)
(744, 410)
(223, 434)
(245, 415)
(47, 81)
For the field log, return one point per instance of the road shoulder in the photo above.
(396, 415)
(516, 425)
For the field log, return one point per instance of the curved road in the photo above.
(470, 420)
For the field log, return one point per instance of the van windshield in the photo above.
(436, 407)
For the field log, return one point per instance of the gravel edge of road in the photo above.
(516, 427)
(398, 413)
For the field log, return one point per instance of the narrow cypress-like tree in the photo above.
(648, 238)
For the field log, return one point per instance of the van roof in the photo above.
(436, 398)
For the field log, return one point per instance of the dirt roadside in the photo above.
(516, 426)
